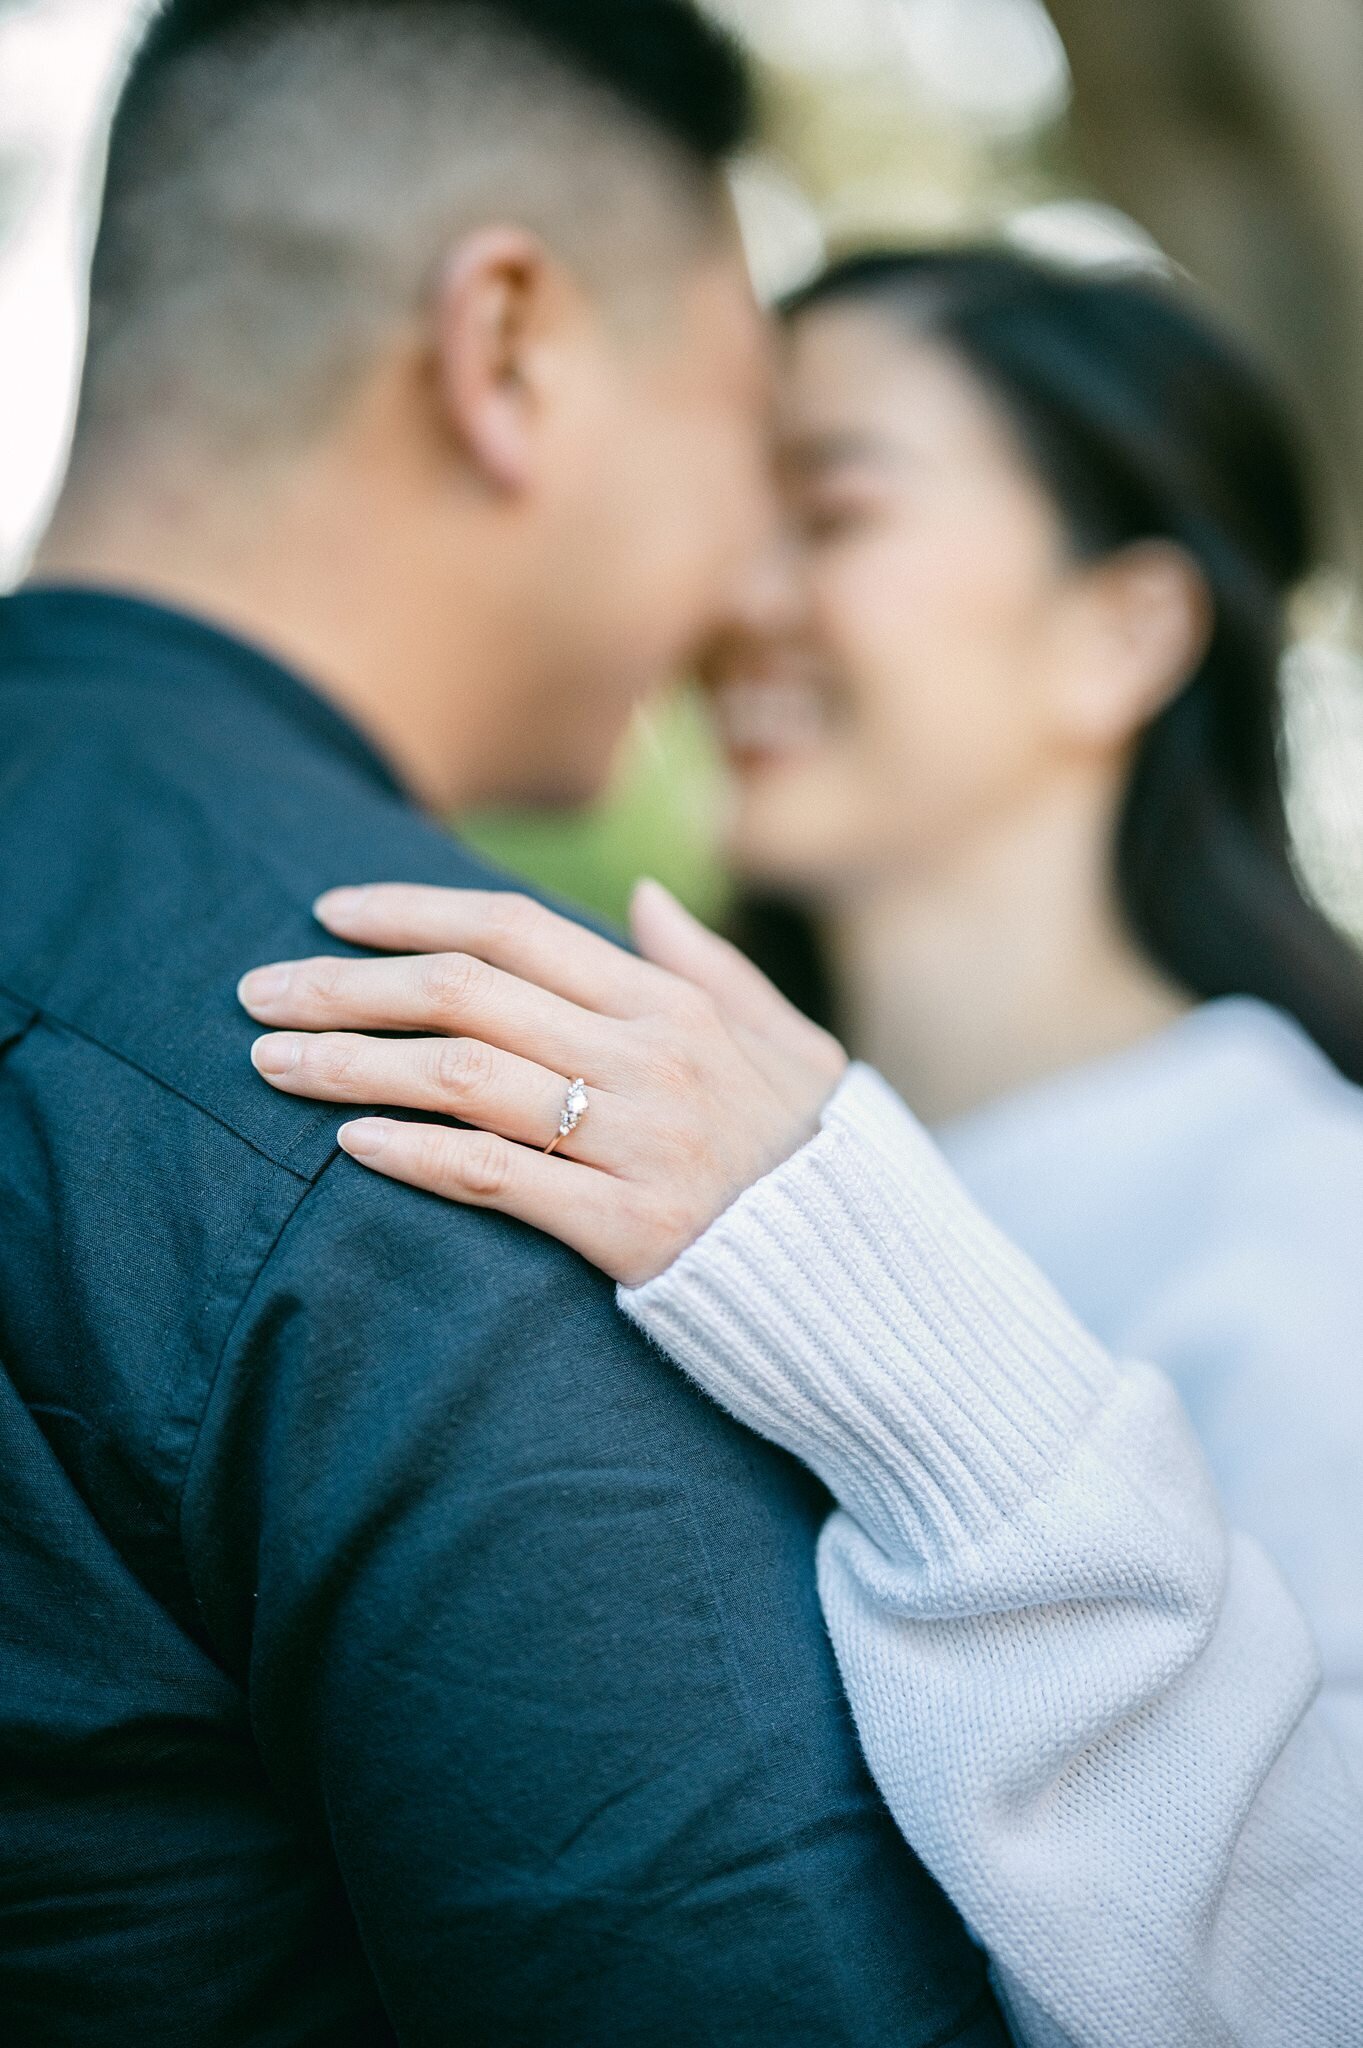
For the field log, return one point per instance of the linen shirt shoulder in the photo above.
(435, 1659)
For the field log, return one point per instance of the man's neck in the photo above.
(302, 590)
(1000, 969)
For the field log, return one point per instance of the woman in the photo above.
(1014, 733)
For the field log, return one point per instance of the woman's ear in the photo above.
(1148, 620)
(496, 306)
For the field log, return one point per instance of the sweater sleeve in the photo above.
(1091, 1707)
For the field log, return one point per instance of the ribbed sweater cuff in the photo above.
(858, 1308)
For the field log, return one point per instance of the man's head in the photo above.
(451, 286)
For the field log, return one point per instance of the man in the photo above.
(391, 1646)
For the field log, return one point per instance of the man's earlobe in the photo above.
(490, 310)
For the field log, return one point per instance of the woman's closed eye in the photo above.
(828, 512)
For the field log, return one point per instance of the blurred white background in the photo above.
(58, 62)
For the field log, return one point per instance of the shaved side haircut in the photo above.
(283, 180)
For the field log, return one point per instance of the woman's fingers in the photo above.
(571, 1202)
(459, 1077)
(507, 930)
(783, 1042)
(694, 1091)
(667, 934)
(439, 992)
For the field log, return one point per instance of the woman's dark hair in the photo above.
(1143, 421)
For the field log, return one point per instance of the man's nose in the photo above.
(767, 597)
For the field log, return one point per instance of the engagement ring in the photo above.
(574, 1109)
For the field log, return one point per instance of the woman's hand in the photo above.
(700, 1077)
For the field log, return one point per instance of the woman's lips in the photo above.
(767, 719)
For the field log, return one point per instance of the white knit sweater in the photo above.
(1092, 1708)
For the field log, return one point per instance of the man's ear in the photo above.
(1150, 618)
(497, 303)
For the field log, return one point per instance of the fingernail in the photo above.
(263, 985)
(333, 905)
(364, 1139)
(277, 1054)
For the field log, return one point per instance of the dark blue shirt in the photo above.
(391, 1644)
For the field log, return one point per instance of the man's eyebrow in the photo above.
(807, 454)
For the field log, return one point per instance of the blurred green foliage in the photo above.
(659, 817)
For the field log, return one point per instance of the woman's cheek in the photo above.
(860, 602)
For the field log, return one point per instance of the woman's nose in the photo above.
(768, 601)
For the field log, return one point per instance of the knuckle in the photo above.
(428, 1147)
(483, 1165)
(463, 1069)
(511, 915)
(332, 1057)
(323, 981)
(668, 1064)
(450, 980)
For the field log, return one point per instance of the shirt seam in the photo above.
(261, 1267)
(41, 1014)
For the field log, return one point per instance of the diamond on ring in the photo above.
(572, 1113)
(574, 1108)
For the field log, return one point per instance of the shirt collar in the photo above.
(136, 638)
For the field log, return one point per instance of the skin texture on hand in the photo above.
(700, 1077)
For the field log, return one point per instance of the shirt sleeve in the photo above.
(1090, 1705)
(532, 1644)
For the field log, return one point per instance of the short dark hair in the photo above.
(284, 175)
(667, 63)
